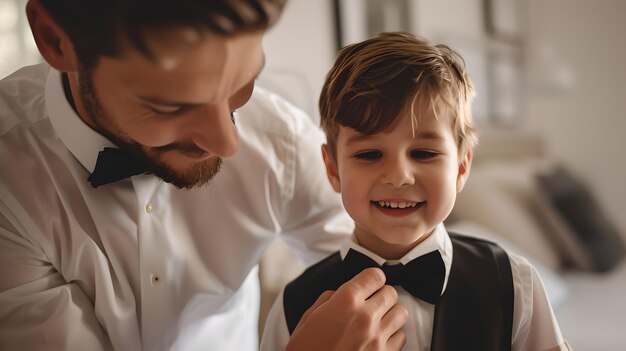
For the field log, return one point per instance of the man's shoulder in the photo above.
(22, 97)
(29, 145)
(274, 131)
(268, 112)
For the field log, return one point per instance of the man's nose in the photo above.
(398, 173)
(214, 130)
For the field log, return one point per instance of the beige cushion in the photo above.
(564, 240)
(583, 232)
(502, 198)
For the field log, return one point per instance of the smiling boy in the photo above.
(396, 113)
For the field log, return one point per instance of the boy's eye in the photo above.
(423, 154)
(369, 155)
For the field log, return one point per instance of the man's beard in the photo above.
(197, 175)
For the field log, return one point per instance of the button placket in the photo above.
(153, 244)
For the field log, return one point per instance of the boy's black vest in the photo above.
(474, 313)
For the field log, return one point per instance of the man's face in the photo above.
(176, 116)
(398, 185)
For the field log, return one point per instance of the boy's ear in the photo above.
(53, 43)
(331, 169)
(464, 169)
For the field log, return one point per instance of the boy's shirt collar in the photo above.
(439, 240)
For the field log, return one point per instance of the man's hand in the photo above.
(362, 314)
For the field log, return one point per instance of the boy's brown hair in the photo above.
(374, 81)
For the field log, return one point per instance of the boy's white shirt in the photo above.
(534, 325)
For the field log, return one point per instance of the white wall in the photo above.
(17, 46)
(436, 18)
(585, 126)
(300, 49)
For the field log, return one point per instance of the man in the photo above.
(135, 202)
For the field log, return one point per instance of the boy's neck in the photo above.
(390, 252)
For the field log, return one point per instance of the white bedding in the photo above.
(590, 307)
(593, 315)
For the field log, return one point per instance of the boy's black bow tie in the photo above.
(114, 164)
(422, 277)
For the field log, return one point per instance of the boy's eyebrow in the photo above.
(161, 102)
(428, 135)
(419, 135)
(358, 137)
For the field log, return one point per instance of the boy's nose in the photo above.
(214, 130)
(398, 173)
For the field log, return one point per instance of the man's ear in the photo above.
(464, 169)
(331, 169)
(52, 41)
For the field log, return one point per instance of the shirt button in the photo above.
(155, 279)
(149, 207)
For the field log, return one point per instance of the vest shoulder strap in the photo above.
(301, 293)
(476, 310)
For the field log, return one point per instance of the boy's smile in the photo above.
(399, 184)
(397, 207)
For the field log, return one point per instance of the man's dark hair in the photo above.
(99, 28)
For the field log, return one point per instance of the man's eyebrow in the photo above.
(166, 103)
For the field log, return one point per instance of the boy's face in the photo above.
(396, 186)
(177, 117)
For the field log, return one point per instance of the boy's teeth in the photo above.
(397, 204)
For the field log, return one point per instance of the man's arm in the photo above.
(39, 310)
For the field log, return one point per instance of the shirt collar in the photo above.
(82, 141)
(439, 240)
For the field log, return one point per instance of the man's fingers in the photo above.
(393, 320)
(396, 342)
(391, 324)
(325, 296)
(364, 284)
(382, 300)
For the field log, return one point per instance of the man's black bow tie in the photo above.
(114, 164)
(422, 277)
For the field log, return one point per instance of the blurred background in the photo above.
(549, 176)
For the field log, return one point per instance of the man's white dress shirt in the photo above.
(534, 325)
(138, 264)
